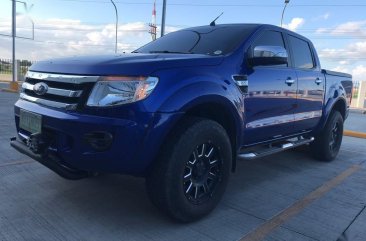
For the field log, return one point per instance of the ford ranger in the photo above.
(182, 110)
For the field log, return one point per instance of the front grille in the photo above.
(57, 90)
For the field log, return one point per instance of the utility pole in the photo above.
(283, 11)
(163, 19)
(14, 86)
(13, 32)
(115, 8)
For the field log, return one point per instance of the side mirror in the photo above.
(269, 55)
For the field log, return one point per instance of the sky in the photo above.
(81, 27)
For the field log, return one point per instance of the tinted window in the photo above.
(211, 41)
(270, 38)
(301, 53)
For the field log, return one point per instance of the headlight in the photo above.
(118, 90)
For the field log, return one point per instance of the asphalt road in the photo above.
(287, 196)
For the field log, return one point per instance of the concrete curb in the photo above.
(9, 90)
(354, 134)
(358, 110)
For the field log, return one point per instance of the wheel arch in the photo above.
(210, 98)
(336, 104)
(216, 108)
(219, 113)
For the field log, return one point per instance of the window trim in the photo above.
(250, 50)
(315, 64)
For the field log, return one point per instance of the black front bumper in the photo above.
(50, 160)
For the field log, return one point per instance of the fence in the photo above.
(356, 87)
(6, 68)
(359, 94)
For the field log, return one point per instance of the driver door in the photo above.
(270, 104)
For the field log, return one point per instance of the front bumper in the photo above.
(50, 161)
(131, 151)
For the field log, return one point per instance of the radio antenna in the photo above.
(213, 22)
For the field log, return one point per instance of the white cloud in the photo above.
(95, 37)
(64, 37)
(359, 73)
(340, 69)
(350, 56)
(324, 16)
(321, 30)
(294, 24)
(351, 53)
(343, 62)
(351, 28)
(355, 29)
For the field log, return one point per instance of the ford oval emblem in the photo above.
(40, 88)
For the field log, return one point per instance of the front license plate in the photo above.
(30, 122)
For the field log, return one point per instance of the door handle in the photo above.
(318, 81)
(289, 81)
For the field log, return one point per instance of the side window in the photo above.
(302, 56)
(269, 38)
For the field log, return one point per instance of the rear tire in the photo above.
(328, 142)
(190, 176)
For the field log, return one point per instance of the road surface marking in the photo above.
(263, 230)
(354, 134)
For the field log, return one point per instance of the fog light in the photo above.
(99, 140)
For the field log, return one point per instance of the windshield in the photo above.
(212, 41)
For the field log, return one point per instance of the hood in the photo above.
(124, 64)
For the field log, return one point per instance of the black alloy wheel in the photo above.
(328, 142)
(335, 137)
(202, 173)
(191, 173)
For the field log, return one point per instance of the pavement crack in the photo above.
(302, 234)
(16, 163)
(241, 211)
(344, 236)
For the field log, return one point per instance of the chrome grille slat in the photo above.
(61, 91)
(63, 78)
(50, 103)
(55, 91)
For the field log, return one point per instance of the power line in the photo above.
(219, 5)
(100, 26)
(317, 36)
(111, 44)
(71, 44)
(81, 30)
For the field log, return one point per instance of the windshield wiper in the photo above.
(168, 52)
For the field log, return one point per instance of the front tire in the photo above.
(191, 174)
(327, 144)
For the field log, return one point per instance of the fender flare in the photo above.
(329, 106)
(225, 95)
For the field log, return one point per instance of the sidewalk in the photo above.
(358, 110)
(5, 77)
(6, 86)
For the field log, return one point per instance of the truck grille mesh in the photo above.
(58, 91)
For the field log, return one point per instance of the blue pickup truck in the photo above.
(181, 110)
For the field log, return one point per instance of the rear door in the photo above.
(270, 103)
(310, 93)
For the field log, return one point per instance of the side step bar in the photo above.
(274, 148)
